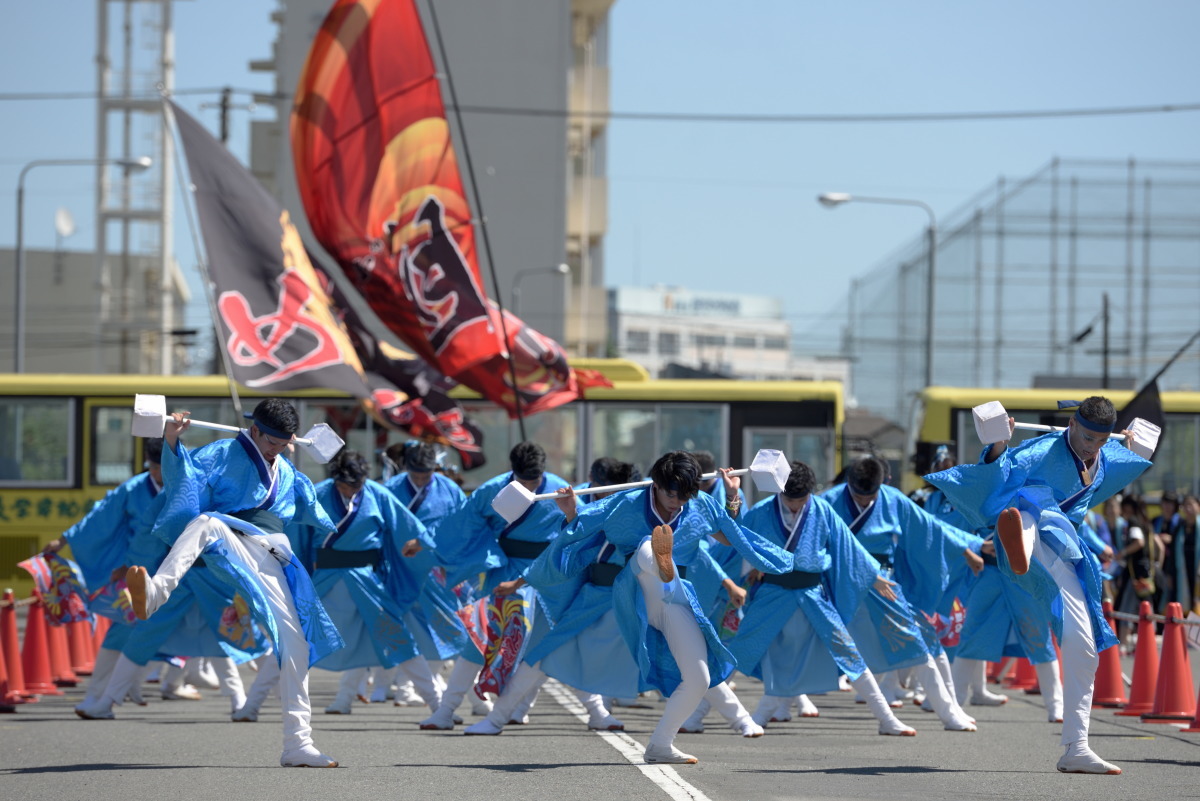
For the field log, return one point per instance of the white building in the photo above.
(742, 336)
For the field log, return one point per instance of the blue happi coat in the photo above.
(716, 562)
(100, 541)
(919, 550)
(585, 649)
(625, 519)
(1001, 618)
(1041, 476)
(201, 618)
(433, 619)
(796, 640)
(367, 603)
(468, 542)
(230, 476)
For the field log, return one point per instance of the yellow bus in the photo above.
(943, 415)
(65, 441)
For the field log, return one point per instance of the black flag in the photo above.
(274, 319)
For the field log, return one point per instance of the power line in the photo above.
(688, 116)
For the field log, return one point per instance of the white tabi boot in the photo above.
(599, 718)
(1050, 683)
(266, 680)
(106, 658)
(951, 714)
(695, 722)
(805, 707)
(1079, 758)
(889, 724)
(417, 673)
(383, 679)
(347, 690)
(770, 709)
(462, 679)
(525, 681)
(729, 707)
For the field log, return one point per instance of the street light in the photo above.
(558, 269)
(129, 165)
(831, 200)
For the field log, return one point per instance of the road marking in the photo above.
(662, 775)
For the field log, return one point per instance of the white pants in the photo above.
(686, 641)
(1079, 657)
(292, 646)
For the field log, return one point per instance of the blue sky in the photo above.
(727, 207)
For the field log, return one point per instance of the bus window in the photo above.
(556, 430)
(642, 433)
(969, 446)
(625, 433)
(112, 446)
(36, 441)
(693, 427)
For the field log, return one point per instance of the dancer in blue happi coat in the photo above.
(362, 579)
(584, 649)
(476, 540)
(432, 496)
(718, 576)
(600, 474)
(116, 533)
(100, 546)
(674, 644)
(1000, 619)
(917, 549)
(203, 618)
(793, 635)
(230, 501)
(1035, 494)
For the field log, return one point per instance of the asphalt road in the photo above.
(190, 749)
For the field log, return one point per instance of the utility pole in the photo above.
(226, 105)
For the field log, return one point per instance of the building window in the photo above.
(709, 340)
(775, 343)
(637, 341)
(745, 342)
(668, 343)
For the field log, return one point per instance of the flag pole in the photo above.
(201, 264)
(487, 244)
(1174, 358)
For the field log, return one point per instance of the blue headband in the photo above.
(266, 429)
(1083, 421)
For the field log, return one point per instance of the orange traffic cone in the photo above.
(1110, 687)
(1175, 697)
(1024, 677)
(5, 694)
(1145, 667)
(60, 656)
(993, 671)
(79, 643)
(35, 655)
(12, 651)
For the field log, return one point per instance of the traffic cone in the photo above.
(1024, 677)
(35, 655)
(79, 643)
(60, 656)
(1145, 667)
(1175, 697)
(1110, 687)
(993, 671)
(12, 652)
(6, 705)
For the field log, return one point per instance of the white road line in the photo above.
(662, 775)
